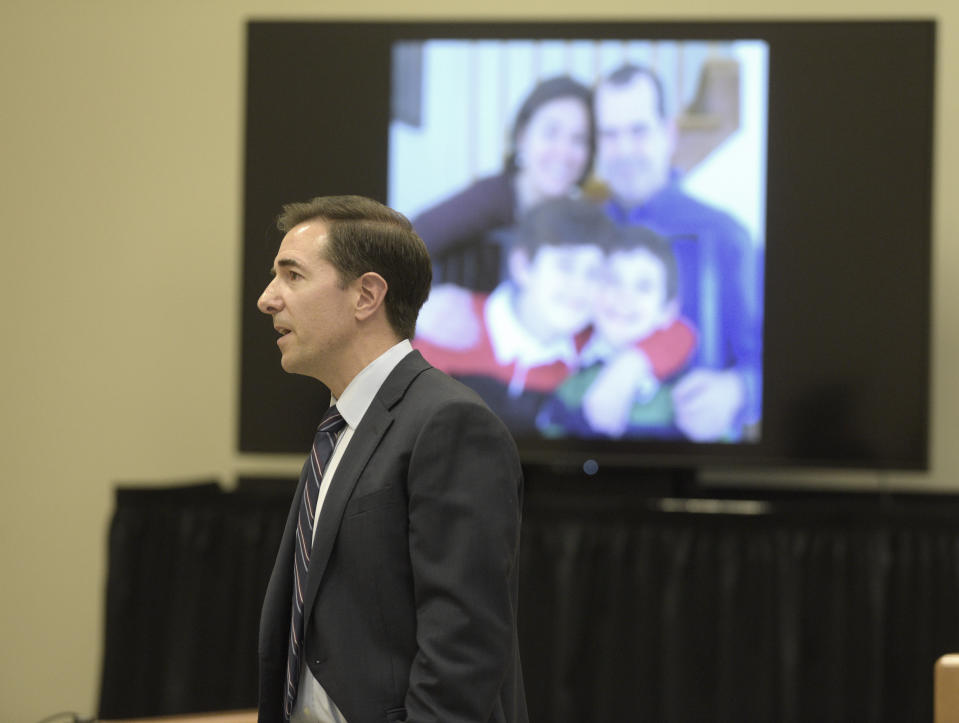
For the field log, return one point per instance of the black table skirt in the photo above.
(795, 608)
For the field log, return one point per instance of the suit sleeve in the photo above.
(669, 349)
(464, 511)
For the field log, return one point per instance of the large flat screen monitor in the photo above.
(672, 244)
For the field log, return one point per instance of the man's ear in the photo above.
(371, 294)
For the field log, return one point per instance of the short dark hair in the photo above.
(628, 72)
(364, 235)
(562, 86)
(564, 221)
(633, 238)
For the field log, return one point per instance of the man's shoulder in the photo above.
(676, 203)
(434, 390)
(435, 387)
(417, 382)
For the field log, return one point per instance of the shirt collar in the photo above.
(511, 341)
(359, 393)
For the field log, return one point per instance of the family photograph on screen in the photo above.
(595, 211)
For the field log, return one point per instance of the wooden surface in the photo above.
(947, 689)
(236, 716)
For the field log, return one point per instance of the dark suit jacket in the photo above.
(411, 595)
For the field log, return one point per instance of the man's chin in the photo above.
(288, 364)
(291, 365)
(629, 192)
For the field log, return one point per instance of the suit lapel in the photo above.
(366, 439)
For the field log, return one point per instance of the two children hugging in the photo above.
(583, 336)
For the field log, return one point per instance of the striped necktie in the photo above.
(323, 445)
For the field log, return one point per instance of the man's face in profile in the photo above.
(634, 144)
(309, 303)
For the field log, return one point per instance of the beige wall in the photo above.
(121, 129)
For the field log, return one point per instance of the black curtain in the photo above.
(793, 608)
(816, 609)
(187, 571)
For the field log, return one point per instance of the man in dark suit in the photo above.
(393, 596)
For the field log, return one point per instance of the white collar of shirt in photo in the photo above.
(312, 701)
(513, 343)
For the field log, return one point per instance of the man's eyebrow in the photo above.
(286, 263)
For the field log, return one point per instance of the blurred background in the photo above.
(122, 138)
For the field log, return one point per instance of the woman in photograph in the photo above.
(551, 154)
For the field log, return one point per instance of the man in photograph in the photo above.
(718, 399)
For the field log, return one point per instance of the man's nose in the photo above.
(269, 301)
